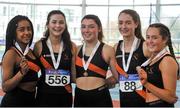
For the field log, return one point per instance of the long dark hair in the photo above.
(165, 33)
(136, 19)
(98, 22)
(11, 31)
(65, 35)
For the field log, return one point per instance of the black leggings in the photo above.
(54, 99)
(99, 97)
(131, 99)
(18, 98)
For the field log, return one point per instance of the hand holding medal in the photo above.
(142, 75)
(24, 68)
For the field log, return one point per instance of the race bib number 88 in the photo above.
(130, 84)
(57, 77)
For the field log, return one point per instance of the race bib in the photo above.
(57, 77)
(130, 84)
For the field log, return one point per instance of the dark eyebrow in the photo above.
(88, 25)
(127, 21)
(20, 27)
(57, 20)
(23, 27)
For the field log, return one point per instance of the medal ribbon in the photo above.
(86, 64)
(157, 57)
(19, 48)
(56, 64)
(133, 47)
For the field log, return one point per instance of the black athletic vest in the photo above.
(137, 59)
(154, 74)
(32, 75)
(65, 64)
(154, 77)
(98, 66)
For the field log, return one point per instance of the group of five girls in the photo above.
(140, 67)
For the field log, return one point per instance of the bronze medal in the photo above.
(85, 74)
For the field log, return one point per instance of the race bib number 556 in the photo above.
(57, 77)
(130, 84)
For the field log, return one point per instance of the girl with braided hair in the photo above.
(19, 64)
(159, 72)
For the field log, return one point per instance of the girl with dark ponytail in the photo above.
(159, 75)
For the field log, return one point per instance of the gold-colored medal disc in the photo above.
(85, 74)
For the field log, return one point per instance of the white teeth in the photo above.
(57, 30)
(124, 31)
(87, 34)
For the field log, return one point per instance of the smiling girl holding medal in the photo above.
(130, 52)
(160, 75)
(19, 64)
(57, 56)
(92, 62)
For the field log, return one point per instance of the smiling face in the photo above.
(56, 25)
(89, 30)
(126, 25)
(23, 32)
(155, 42)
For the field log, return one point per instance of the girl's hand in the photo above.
(142, 75)
(24, 66)
(110, 82)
